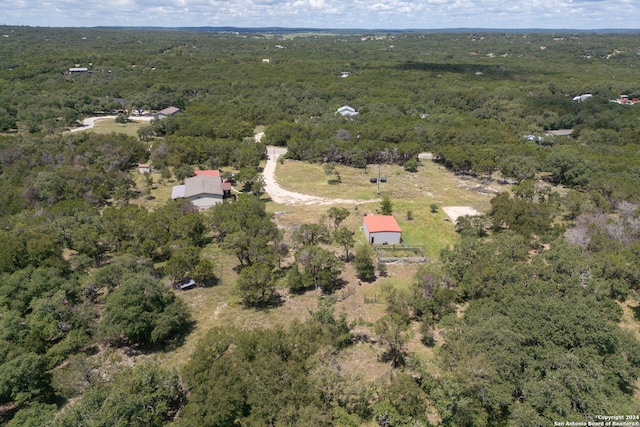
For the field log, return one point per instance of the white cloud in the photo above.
(579, 14)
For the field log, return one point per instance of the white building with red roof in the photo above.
(382, 229)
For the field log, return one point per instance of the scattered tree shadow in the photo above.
(208, 281)
(498, 71)
(336, 285)
(447, 68)
(394, 357)
(274, 302)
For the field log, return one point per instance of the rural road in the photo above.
(285, 197)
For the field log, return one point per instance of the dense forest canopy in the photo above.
(528, 299)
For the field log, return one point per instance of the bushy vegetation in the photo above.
(528, 300)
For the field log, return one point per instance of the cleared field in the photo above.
(411, 194)
(108, 125)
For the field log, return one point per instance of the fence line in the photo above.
(371, 300)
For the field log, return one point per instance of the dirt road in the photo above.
(285, 197)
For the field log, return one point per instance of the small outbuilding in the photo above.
(345, 110)
(167, 112)
(144, 168)
(382, 230)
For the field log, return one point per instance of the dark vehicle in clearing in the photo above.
(185, 284)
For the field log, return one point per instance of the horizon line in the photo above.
(325, 29)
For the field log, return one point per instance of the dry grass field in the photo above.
(411, 194)
(109, 125)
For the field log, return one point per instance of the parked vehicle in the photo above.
(185, 284)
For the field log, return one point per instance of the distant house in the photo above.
(559, 132)
(625, 100)
(203, 191)
(582, 97)
(382, 229)
(144, 168)
(266, 60)
(78, 70)
(167, 112)
(345, 74)
(345, 110)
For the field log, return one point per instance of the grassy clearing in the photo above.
(411, 193)
(109, 125)
(431, 184)
(160, 191)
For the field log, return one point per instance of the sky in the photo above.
(343, 14)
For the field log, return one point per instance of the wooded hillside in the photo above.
(528, 316)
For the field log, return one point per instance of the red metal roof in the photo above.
(381, 223)
(210, 172)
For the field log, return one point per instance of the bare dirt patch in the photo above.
(455, 212)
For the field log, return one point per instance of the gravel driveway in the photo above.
(285, 197)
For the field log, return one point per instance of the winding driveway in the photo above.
(285, 197)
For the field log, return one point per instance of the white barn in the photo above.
(382, 230)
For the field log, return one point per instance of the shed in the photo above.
(144, 168)
(382, 230)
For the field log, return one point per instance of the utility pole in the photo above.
(378, 178)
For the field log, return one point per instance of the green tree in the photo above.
(245, 228)
(393, 331)
(411, 165)
(363, 262)
(142, 311)
(256, 284)
(310, 235)
(24, 378)
(323, 267)
(337, 215)
(122, 119)
(183, 171)
(386, 206)
(296, 281)
(401, 403)
(34, 415)
(183, 262)
(141, 396)
(344, 237)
